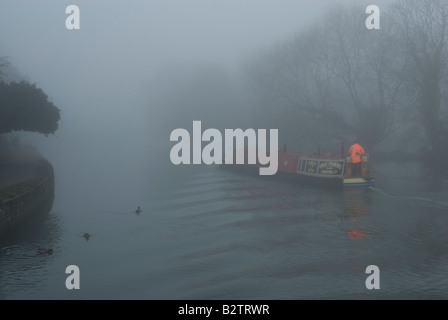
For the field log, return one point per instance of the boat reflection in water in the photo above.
(356, 210)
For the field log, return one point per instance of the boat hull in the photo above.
(357, 182)
(328, 171)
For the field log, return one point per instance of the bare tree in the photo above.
(344, 79)
(368, 65)
(423, 28)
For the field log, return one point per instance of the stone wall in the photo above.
(17, 209)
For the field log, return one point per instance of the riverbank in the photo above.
(26, 187)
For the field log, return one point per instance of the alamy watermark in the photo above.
(212, 153)
(373, 20)
(373, 280)
(73, 20)
(256, 150)
(73, 280)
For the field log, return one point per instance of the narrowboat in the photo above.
(326, 170)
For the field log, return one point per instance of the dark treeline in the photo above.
(24, 107)
(338, 80)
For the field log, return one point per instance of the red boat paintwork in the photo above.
(288, 161)
(325, 169)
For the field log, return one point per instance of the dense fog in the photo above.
(137, 70)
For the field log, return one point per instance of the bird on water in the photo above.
(138, 210)
(45, 251)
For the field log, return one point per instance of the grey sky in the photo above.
(101, 76)
(135, 37)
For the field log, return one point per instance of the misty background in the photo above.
(131, 74)
(135, 71)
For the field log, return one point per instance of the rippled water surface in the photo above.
(214, 234)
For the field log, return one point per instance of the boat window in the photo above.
(302, 165)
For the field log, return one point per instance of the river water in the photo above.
(213, 234)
